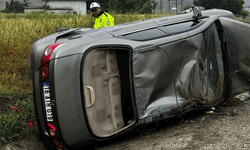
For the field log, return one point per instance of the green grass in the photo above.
(15, 124)
(18, 32)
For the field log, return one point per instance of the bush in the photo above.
(16, 6)
(244, 13)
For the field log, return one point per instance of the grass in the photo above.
(18, 32)
(14, 124)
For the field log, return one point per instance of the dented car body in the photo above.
(93, 85)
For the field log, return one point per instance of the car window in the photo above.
(162, 31)
(180, 27)
(183, 26)
(144, 35)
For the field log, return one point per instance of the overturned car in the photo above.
(93, 85)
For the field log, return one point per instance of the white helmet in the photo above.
(94, 6)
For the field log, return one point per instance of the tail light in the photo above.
(53, 136)
(46, 58)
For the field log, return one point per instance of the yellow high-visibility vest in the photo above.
(104, 20)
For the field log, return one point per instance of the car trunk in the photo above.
(107, 91)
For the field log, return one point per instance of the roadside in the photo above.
(197, 131)
(29, 143)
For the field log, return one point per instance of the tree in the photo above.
(244, 13)
(16, 6)
(234, 6)
(133, 6)
(126, 6)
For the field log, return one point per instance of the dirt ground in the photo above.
(199, 131)
(227, 128)
(6, 104)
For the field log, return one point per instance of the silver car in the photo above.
(95, 85)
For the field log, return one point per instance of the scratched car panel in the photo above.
(91, 85)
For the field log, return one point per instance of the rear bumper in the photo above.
(66, 100)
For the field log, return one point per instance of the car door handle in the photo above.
(89, 96)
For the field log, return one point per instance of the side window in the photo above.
(182, 27)
(163, 31)
(212, 39)
(178, 28)
(144, 35)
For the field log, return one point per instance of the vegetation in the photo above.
(18, 32)
(235, 6)
(16, 6)
(128, 6)
(244, 14)
(14, 124)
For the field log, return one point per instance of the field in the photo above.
(18, 32)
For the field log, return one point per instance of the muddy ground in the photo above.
(227, 128)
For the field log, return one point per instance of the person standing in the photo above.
(103, 19)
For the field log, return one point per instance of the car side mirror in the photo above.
(196, 12)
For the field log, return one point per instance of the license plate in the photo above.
(47, 102)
